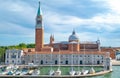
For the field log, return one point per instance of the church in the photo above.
(42, 53)
(68, 52)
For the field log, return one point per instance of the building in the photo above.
(13, 56)
(67, 52)
(80, 52)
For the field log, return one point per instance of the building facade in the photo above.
(13, 56)
(68, 52)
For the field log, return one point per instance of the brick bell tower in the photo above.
(39, 31)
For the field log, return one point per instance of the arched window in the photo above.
(66, 62)
(81, 62)
(56, 62)
(98, 62)
(23, 62)
(41, 62)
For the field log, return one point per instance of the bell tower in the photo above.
(39, 31)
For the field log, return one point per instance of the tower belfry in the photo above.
(39, 31)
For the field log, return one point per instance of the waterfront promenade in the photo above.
(115, 62)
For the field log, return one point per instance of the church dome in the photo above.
(73, 37)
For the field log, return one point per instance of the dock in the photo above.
(115, 62)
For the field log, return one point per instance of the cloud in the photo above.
(90, 19)
(15, 29)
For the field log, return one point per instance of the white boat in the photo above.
(30, 72)
(72, 72)
(4, 73)
(58, 72)
(92, 71)
(24, 72)
(9, 67)
(84, 72)
(51, 72)
(77, 73)
(17, 72)
(36, 72)
(10, 73)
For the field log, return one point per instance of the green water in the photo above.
(65, 69)
(114, 74)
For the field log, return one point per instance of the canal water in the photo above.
(65, 70)
(114, 74)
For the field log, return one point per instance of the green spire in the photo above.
(39, 10)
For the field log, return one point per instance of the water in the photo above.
(114, 74)
(64, 69)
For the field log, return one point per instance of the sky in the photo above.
(91, 19)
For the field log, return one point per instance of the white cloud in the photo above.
(15, 29)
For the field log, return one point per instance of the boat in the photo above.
(17, 72)
(92, 71)
(84, 72)
(4, 73)
(51, 72)
(72, 72)
(10, 73)
(30, 72)
(24, 71)
(36, 72)
(9, 67)
(78, 73)
(58, 72)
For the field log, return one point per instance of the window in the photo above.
(41, 62)
(66, 62)
(56, 62)
(7, 55)
(12, 61)
(7, 61)
(13, 55)
(80, 61)
(23, 62)
(19, 55)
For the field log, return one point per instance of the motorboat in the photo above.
(84, 72)
(36, 72)
(77, 73)
(58, 72)
(72, 72)
(30, 72)
(51, 72)
(24, 71)
(92, 71)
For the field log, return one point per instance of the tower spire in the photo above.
(73, 32)
(39, 10)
